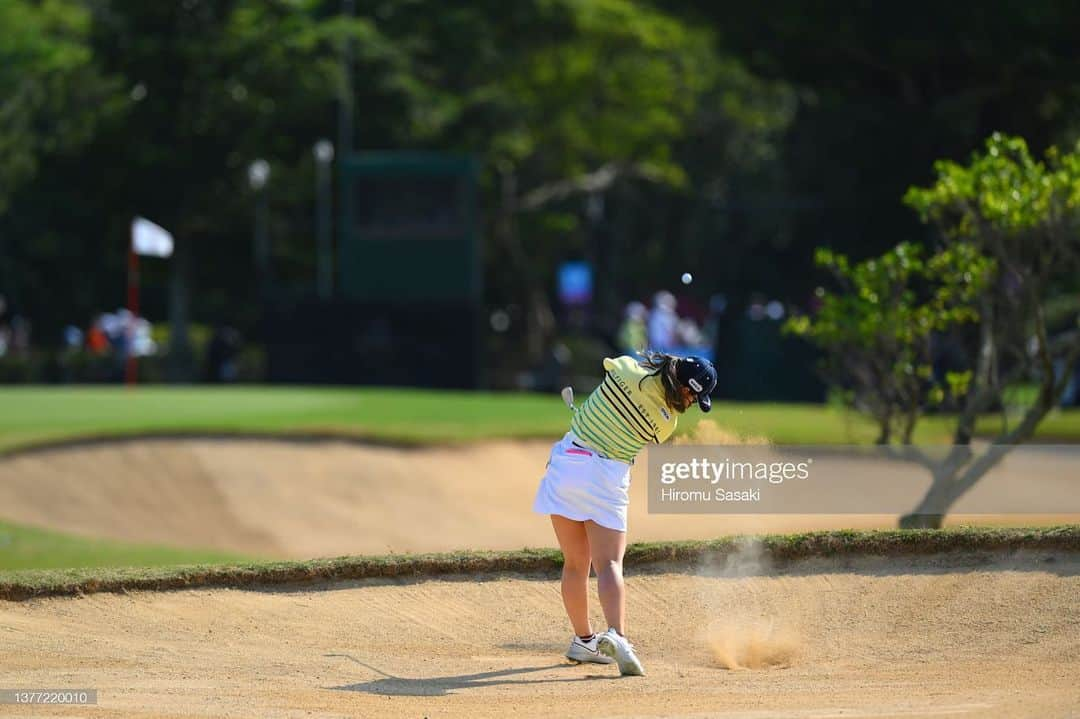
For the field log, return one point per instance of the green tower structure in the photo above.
(409, 229)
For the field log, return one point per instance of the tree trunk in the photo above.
(959, 472)
(951, 481)
(943, 492)
(931, 510)
(921, 521)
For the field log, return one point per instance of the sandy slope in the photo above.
(872, 639)
(304, 499)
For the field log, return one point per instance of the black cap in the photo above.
(699, 375)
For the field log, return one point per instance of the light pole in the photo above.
(345, 106)
(346, 121)
(324, 156)
(258, 176)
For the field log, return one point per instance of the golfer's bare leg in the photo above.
(574, 543)
(607, 547)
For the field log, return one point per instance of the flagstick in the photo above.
(146, 239)
(131, 366)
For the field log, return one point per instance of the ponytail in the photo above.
(663, 365)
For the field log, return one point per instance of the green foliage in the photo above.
(877, 328)
(159, 108)
(621, 84)
(958, 382)
(1025, 214)
(1022, 211)
(1010, 223)
(52, 92)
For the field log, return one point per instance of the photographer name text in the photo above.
(701, 471)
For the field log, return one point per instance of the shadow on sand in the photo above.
(389, 685)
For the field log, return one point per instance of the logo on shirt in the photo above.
(666, 415)
(629, 394)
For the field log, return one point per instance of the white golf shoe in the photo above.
(581, 651)
(614, 645)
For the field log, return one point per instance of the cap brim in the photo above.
(705, 402)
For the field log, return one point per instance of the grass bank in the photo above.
(21, 585)
(23, 547)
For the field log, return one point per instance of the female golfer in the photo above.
(585, 488)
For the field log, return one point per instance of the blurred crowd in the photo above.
(120, 333)
(661, 327)
(99, 352)
(14, 331)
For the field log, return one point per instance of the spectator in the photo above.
(221, 355)
(73, 338)
(20, 335)
(633, 334)
(689, 335)
(1071, 395)
(142, 340)
(663, 322)
(96, 340)
(5, 331)
(712, 329)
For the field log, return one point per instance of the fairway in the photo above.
(948, 635)
(27, 547)
(36, 415)
(47, 415)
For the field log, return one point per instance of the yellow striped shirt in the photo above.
(626, 412)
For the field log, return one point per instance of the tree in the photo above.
(878, 329)
(52, 91)
(562, 99)
(884, 89)
(609, 100)
(604, 103)
(1009, 226)
(557, 98)
(203, 89)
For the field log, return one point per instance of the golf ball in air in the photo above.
(687, 278)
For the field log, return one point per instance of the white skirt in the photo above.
(580, 484)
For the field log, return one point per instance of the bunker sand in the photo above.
(873, 638)
(312, 499)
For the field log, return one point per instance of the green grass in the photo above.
(39, 415)
(1059, 426)
(20, 585)
(31, 548)
(42, 415)
(787, 423)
